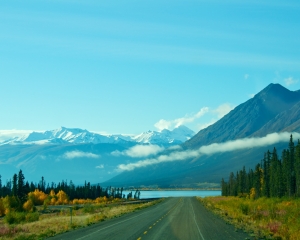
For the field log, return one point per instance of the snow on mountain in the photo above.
(176, 136)
(76, 136)
(64, 135)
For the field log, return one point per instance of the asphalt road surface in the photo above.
(175, 218)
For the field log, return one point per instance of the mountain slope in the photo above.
(248, 118)
(65, 135)
(288, 120)
(176, 136)
(274, 109)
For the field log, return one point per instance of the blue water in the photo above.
(159, 194)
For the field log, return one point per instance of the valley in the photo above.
(175, 159)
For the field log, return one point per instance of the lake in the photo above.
(179, 193)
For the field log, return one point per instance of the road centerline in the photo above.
(196, 222)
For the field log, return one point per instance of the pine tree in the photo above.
(297, 169)
(258, 180)
(266, 175)
(286, 172)
(15, 185)
(274, 184)
(21, 187)
(231, 183)
(292, 167)
(1, 191)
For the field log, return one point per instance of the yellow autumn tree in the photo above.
(37, 197)
(252, 193)
(28, 206)
(62, 198)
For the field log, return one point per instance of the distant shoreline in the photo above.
(173, 189)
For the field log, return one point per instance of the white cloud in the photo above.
(100, 166)
(220, 111)
(163, 124)
(290, 80)
(170, 124)
(79, 154)
(246, 76)
(140, 151)
(9, 134)
(245, 143)
(176, 147)
(205, 125)
(223, 109)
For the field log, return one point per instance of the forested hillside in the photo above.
(273, 177)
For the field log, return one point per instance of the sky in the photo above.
(132, 66)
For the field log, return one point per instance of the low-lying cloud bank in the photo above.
(139, 151)
(79, 154)
(9, 134)
(229, 146)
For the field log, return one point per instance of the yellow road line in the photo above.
(145, 232)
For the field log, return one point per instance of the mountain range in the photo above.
(78, 155)
(273, 110)
(65, 135)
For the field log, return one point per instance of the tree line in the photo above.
(273, 177)
(19, 188)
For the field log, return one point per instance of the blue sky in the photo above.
(133, 66)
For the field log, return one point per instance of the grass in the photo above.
(58, 222)
(269, 218)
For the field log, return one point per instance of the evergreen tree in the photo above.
(258, 180)
(21, 194)
(292, 166)
(286, 172)
(274, 174)
(224, 187)
(1, 191)
(266, 175)
(297, 169)
(15, 185)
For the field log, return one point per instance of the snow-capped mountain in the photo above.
(176, 136)
(77, 136)
(64, 135)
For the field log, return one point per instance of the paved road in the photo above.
(175, 218)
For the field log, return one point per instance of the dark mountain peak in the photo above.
(249, 117)
(276, 98)
(276, 91)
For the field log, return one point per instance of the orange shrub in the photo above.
(28, 206)
(37, 197)
(62, 198)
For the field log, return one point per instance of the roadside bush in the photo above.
(32, 217)
(6, 231)
(245, 208)
(11, 203)
(276, 217)
(88, 208)
(19, 217)
(28, 206)
(37, 197)
(2, 208)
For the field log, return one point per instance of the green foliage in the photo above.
(19, 217)
(27, 237)
(265, 217)
(89, 208)
(272, 178)
(245, 208)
